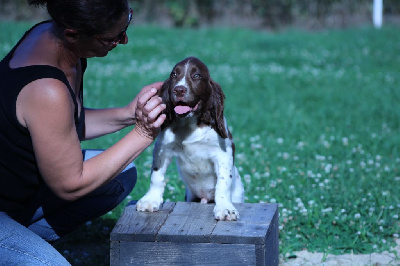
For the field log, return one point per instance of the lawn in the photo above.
(315, 117)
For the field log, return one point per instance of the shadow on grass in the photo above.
(89, 244)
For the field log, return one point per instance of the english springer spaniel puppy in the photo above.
(196, 134)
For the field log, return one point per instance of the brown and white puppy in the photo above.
(196, 134)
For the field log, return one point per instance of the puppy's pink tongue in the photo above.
(182, 109)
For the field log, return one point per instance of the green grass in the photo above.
(315, 118)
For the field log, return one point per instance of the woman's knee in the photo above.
(128, 178)
(21, 246)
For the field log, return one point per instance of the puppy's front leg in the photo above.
(153, 199)
(224, 209)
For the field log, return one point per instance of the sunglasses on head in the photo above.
(120, 37)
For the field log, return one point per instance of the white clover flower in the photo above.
(300, 145)
(327, 210)
(328, 168)
(255, 146)
(255, 138)
(345, 141)
(279, 140)
(357, 216)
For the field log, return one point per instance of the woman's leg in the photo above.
(56, 217)
(20, 246)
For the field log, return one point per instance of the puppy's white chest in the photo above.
(195, 156)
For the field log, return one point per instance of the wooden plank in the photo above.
(140, 226)
(188, 222)
(205, 254)
(115, 253)
(252, 227)
(187, 234)
(272, 242)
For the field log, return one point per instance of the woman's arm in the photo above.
(45, 107)
(99, 122)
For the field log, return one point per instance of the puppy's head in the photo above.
(190, 91)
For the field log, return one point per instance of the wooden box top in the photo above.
(189, 222)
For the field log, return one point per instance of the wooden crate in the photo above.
(187, 234)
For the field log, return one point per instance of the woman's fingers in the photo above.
(148, 112)
(145, 89)
(145, 97)
(155, 112)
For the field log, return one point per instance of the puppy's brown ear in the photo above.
(165, 95)
(214, 109)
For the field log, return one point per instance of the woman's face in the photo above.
(100, 45)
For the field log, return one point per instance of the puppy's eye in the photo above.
(173, 75)
(197, 76)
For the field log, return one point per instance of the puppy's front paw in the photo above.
(148, 204)
(226, 212)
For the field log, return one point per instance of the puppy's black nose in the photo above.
(180, 91)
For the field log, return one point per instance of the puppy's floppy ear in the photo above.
(165, 95)
(214, 109)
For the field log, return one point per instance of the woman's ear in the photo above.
(71, 35)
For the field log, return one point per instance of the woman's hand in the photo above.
(148, 111)
(133, 104)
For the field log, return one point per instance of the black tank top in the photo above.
(19, 174)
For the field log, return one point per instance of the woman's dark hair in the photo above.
(90, 17)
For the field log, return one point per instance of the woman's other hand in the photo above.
(148, 111)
